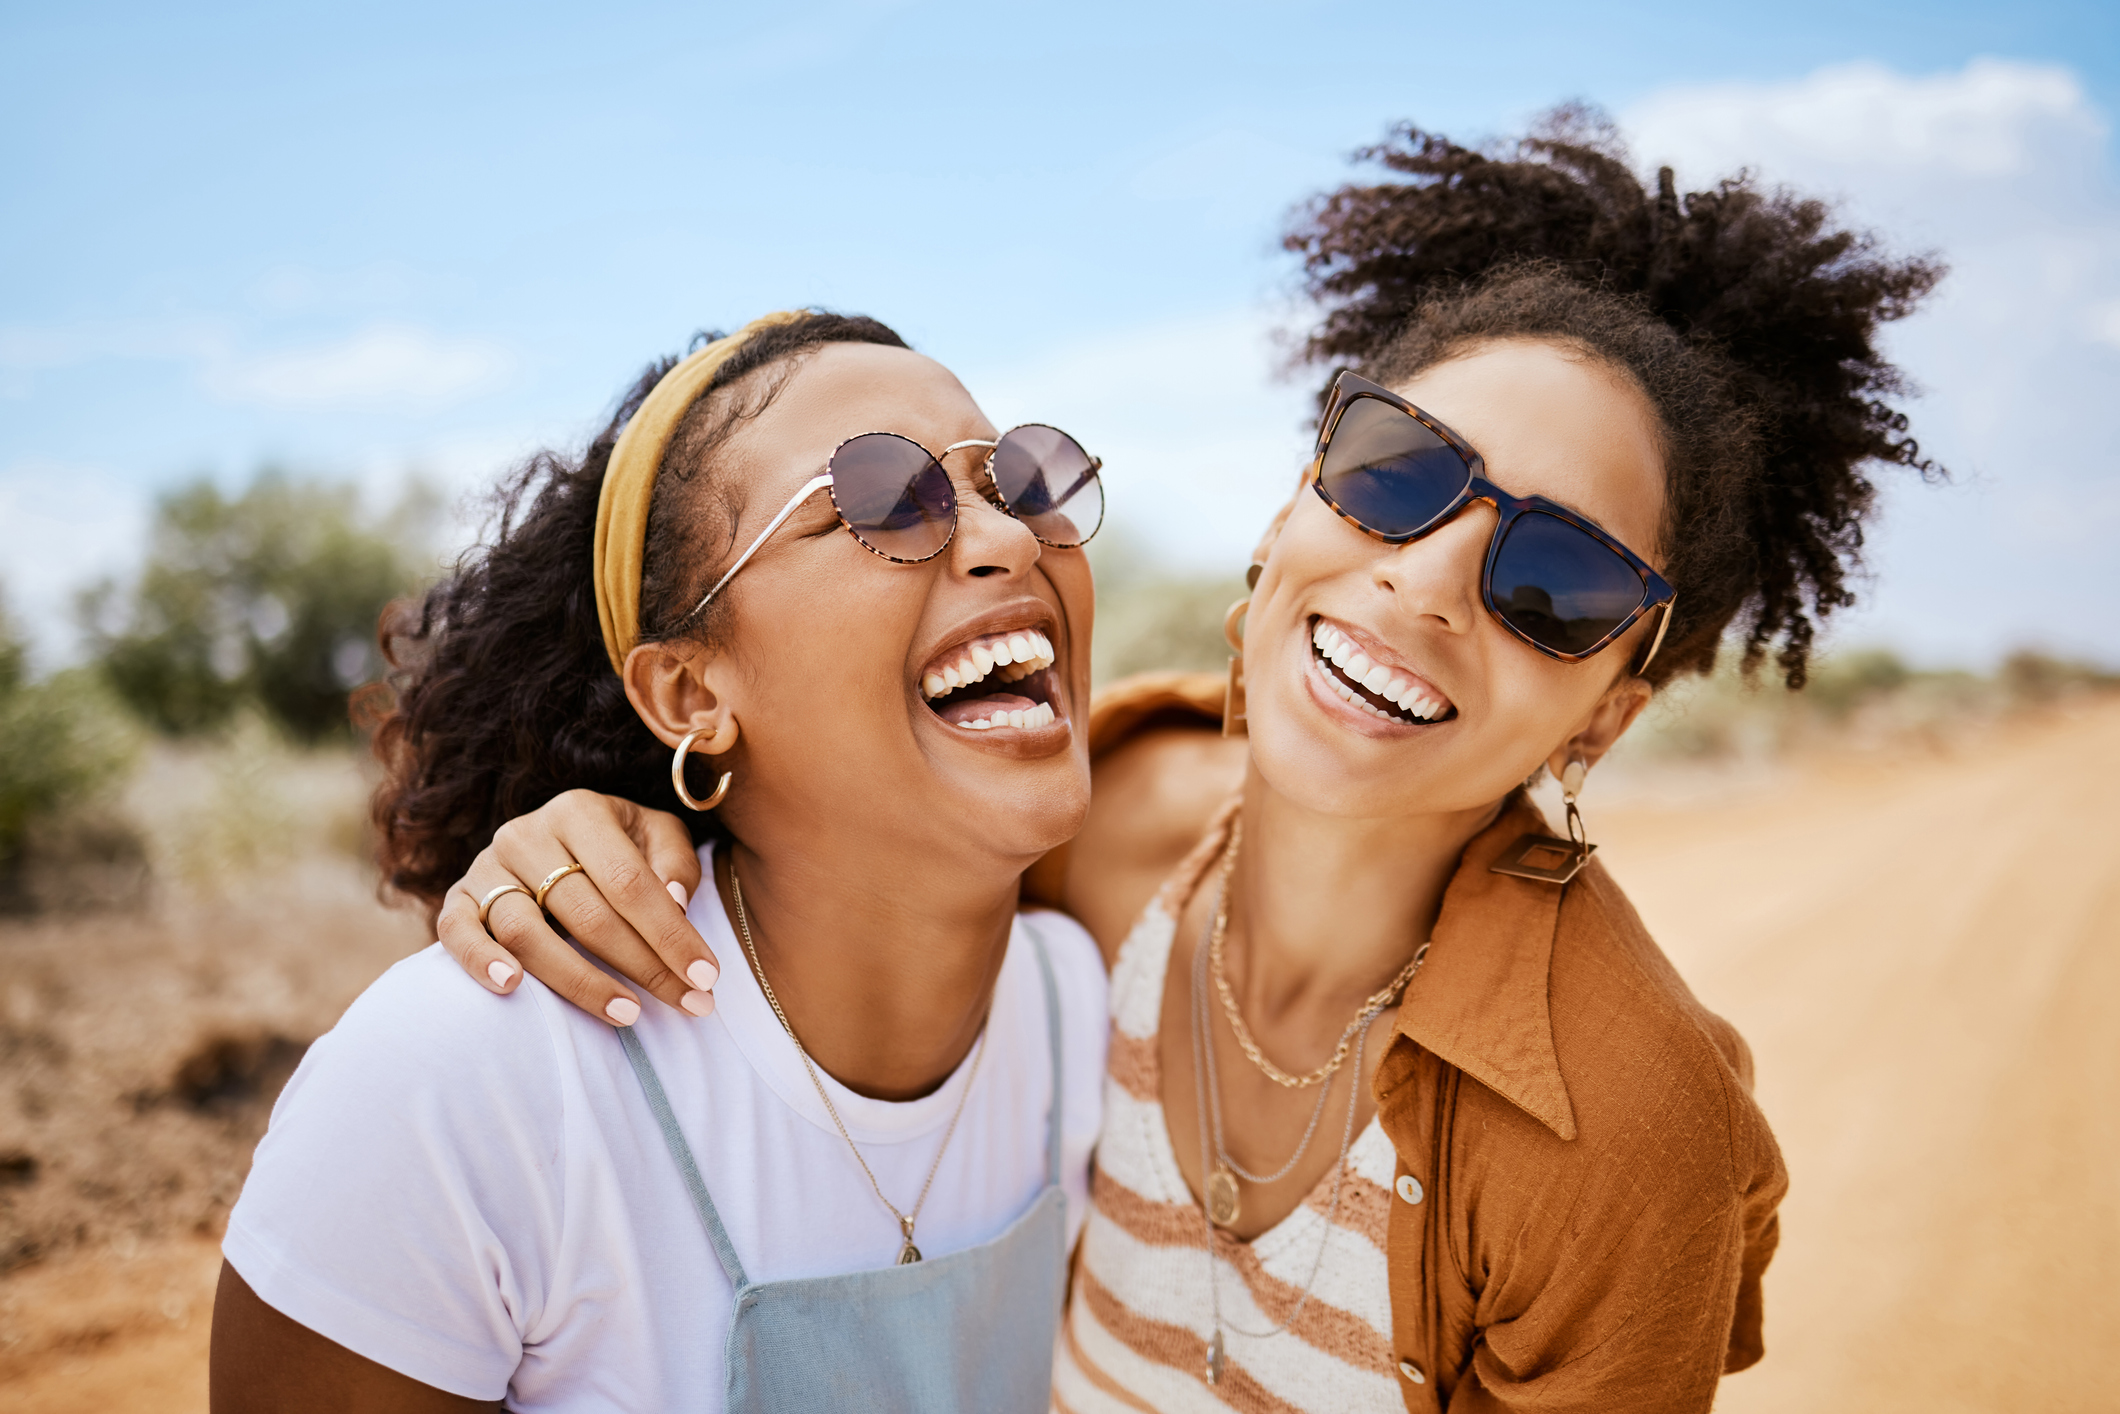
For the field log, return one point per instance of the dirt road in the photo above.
(1925, 957)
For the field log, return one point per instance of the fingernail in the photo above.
(501, 973)
(623, 1010)
(677, 891)
(702, 974)
(698, 1003)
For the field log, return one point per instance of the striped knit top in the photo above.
(1138, 1321)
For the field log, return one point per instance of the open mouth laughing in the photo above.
(1391, 694)
(995, 682)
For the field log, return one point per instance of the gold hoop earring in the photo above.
(1234, 722)
(1540, 856)
(677, 774)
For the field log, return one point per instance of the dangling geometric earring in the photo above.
(1541, 856)
(677, 774)
(1234, 722)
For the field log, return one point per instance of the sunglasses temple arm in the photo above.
(809, 488)
(1663, 626)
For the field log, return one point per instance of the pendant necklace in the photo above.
(1203, 1047)
(907, 1254)
(1224, 1198)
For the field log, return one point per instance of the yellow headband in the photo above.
(629, 484)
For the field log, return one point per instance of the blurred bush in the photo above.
(269, 598)
(63, 744)
(1150, 616)
(1857, 697)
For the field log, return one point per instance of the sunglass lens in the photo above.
(1561, 586)
(1387, 472)
(1050, 483)
(896, 497)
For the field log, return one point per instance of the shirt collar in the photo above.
(1480, 1001)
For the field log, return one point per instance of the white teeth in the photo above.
(1016, 656)
(1377, 679)
(1028, 718)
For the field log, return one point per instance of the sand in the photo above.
(1924, 953)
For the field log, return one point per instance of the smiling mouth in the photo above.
(1387, 695)
(996, 681)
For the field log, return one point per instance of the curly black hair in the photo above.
(1748, 317)
(501, 695)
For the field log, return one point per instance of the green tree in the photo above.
(270, 597)
(60, 743)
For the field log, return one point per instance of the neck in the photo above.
(884, 966)
(1326, 909)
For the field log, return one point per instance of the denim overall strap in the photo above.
(674, 1138)
(1052, 1031)
(967, 1332)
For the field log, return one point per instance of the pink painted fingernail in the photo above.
(703, 974)
(501, 973)
(623, 1010)
(698, 1003)
(677, 891)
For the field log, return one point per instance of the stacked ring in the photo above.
(570, 867)
(485, 905)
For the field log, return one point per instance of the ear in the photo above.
(673, 686)
(1606, 723)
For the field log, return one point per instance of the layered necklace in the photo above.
(1224, 1199)
(908, 1253)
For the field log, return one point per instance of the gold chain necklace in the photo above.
(1377, 1000)
(908, 1253)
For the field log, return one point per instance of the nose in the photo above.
(989, 540)
(1437, 577)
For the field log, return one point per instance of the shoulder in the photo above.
(1161, 767)
(425, 1024)
(1645, 1063)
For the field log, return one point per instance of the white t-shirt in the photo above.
(472, 1191)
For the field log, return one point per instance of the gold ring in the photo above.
(485, 905)
(570, 867)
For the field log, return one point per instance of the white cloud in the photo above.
(63, 526)
(1994, 118)
(2004, 170)
(384, 363)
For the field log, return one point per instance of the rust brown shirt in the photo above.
(1593, 1188)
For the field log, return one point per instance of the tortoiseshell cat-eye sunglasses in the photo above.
(893, 496)
(1554, 578)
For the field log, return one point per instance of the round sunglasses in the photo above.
(893, 495)
(1553, 577)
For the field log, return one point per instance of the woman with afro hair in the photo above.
(1404, 1108)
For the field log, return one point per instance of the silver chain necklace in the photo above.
(908, 1253)
(1203, 1062)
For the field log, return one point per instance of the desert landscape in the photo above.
(1917, 930)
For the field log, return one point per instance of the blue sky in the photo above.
(398, 238)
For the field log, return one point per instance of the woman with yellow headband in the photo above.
(856, 1185)
(1404, 1107)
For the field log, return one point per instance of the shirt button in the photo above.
(1409, 1188)
(1412, 1372)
